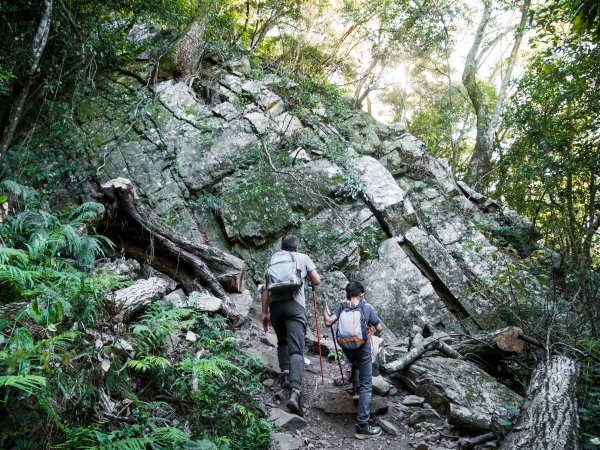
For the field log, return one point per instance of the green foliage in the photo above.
(370, 240)
(549, 172)
(438, 114)
(29, 384)
(307, 94)
(51, 380)
(351, 188)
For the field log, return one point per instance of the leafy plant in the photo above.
(352, 188)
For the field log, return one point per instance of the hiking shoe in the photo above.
(294, 404)
(354, 393)
(366, 431)
(284, 379)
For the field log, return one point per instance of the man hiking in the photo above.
(284, 306)
(355, 318)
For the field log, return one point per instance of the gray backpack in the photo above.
(283, 275)
(352, 332)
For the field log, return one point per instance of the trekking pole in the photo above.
(337, 354)
(318, 333)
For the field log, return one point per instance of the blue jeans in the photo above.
(361, 377)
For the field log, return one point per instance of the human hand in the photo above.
(266, 319)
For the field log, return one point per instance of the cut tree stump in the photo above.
(549, 413)
(505, 340)
(502, 352)
(131, 300)
(143, 236)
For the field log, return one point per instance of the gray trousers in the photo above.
(288, 318)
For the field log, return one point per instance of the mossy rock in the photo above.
(254, 206)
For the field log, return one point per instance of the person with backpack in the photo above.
(284, 307)
(355, 318)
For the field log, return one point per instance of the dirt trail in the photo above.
(325, 430)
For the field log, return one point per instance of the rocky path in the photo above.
(330, 413)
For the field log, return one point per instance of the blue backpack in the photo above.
(352, 332)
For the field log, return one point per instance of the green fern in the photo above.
(24, 193)
(45, 235)
(159, 322)
(146, 363)
(29, 384)
(87, 212)
(129, 444)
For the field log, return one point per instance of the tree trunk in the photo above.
(16, 111)
(135, 226)
(400, 364)
(505, 340)
(130, 301)
(480, 162)
(184, 57)
(549, 413)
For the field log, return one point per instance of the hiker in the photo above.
(355, 318)
(284, 306)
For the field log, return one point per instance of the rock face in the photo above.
(236, 164)
(445, 382)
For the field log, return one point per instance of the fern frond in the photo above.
(214, 367)
(149, 362)
(65, 238)
(86, 212)
(18, 190)
(169, 435)
(17, 277)
(13, 256)
(34, 219)
(129, 444)
(89, 250)
(229, 343)
(26, 383)
(59, 342)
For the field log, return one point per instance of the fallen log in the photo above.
(139, 230)
(469, 443)
(501, 352)
(129, 301)
(505, 340)
(549, 413)
(400, 364)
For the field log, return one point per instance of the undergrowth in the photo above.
(70, 378)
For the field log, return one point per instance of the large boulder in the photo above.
(401, 294)
(382, 194)
(449, 278)
(446, 383)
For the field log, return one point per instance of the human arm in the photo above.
(311, 271)
(329, 319)
(373, 320)
(314, 278)
(378, 330)
(264, 297)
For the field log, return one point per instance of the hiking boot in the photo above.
(366, 431)
(354, 393)
(294, 404)
(284, 379)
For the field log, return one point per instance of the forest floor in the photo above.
(416, 426)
